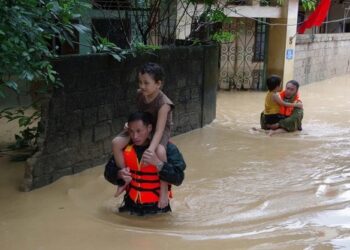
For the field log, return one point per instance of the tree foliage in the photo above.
(27, 28)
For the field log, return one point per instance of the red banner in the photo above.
(317, 17)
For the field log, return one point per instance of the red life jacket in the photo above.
(145, 184)
(287, 111)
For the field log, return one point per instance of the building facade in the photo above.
(322, 52)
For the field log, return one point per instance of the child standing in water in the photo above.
(273, 102)
(150, 99)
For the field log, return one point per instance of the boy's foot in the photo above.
(120, 190)
(277, 131)
(259, 130)
(163, 200)
(273, 126)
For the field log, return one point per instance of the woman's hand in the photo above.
(298, 105)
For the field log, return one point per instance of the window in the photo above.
(260, 40)
(115, 30)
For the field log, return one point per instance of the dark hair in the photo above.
(295, 83)
(273, 81)
(154, 70)
(145, 117)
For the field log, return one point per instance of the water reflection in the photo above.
(243, 184)
(242, 187)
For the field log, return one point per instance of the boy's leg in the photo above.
(118, 144)
(277, 131)
(263, 121)
(163, 195)
(273, 126)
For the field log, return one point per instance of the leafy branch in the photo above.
(27, 31)
(29, 132)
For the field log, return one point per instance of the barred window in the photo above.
(117, 31)
(260, 40)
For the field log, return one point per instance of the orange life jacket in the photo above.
(145, 184)
(287, 111)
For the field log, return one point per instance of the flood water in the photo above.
(243, 189)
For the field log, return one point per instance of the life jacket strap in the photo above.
(145, 181)
(153, 190)
(143, 173)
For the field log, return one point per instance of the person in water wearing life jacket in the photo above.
(289, 117)
(150, 99)
(143, 192)
(274, 103)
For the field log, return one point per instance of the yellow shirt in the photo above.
(271, 107)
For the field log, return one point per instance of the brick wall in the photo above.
(80, 119)
(321, 56)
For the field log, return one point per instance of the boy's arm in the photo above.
(277, 99)
(171, 171)
(160, 126)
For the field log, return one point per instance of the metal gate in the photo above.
(243, 64)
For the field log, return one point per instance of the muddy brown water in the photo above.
(243, 189)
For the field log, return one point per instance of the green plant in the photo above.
(196, 41)
(27, 120)
(105, 46)
(27, 29)
(144, 48)
(308, 5)
(209, 26)
(217, 15)
(223, 37)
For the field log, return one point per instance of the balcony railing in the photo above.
(253, 2)
(111, 4)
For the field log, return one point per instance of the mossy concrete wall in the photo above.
(322, 56)
(80, 119)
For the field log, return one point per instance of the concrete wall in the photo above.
(321, 56)
(80, 119)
